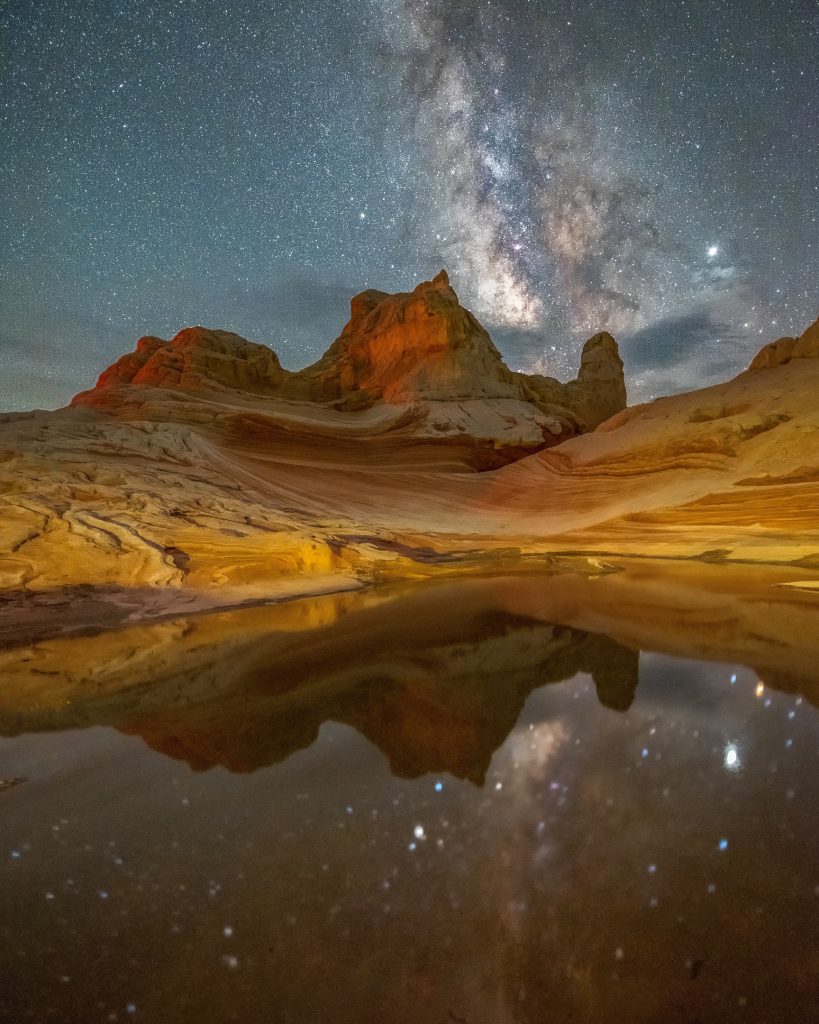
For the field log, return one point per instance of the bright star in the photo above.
(712, 251)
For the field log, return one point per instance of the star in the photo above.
(446, 148)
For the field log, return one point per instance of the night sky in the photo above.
(646, 168)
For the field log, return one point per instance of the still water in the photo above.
(435, 806)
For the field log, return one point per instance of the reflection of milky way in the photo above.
(611, 869)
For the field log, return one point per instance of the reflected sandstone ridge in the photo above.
(433, 673)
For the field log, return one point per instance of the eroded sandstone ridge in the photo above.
(199, 470)
(420, 350)
(194, 359)
(781, 352)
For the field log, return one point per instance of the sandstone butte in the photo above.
(200, 472)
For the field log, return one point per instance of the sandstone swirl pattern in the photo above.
(199, 470)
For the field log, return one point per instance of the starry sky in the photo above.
(650, 169)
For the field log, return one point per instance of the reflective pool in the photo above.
(432, 804)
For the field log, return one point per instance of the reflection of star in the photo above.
(712, 251)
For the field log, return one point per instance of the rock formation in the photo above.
(421, 350)
(780, 352)
(194, 359)
(419, 345)
(199, 471)
(725, 472)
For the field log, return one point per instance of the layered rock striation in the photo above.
(199, 469)
(420, 350)
(729, 472)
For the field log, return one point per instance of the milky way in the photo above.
(562, 199)
(646, 169)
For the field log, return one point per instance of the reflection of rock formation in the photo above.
(435, 688)
(434, 674)
(441, 710)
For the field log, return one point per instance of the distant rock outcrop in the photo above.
(418, 345)
(598, 392)
(424, 345)
(780, 352)
(420, 349)
(194, 359)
